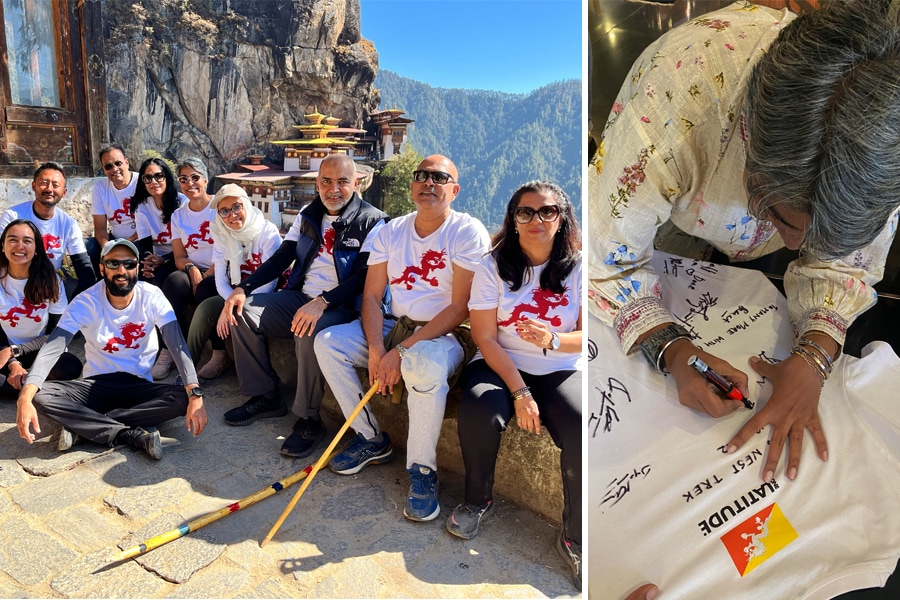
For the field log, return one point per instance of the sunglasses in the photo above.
(112, 264)
(547, 214)
(438, 177)
(193, 178)
(235, 209)
(116, 164)
(157, 177)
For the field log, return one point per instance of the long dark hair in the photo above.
(42, 282)
(512, 265)
(170, 196)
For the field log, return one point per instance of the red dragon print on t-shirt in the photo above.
(327, 244)
(26, 311)
(131, 333)
(251, 264)
(194, 239)
(120, 214)
(51, 242)
(542, 302)
(165, 236)
(432, 260)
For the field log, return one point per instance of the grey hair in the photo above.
(194, 163)
(823, 120)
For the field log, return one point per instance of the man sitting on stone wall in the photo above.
(111, 202)
(327, 244)
(427, 260)
(117, 399)
(61, 232)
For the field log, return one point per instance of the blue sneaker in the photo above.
(422, 503)
(361, 452)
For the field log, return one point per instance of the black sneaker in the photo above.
(571, 553)
(465, 520)
(306, 434)
(141, 439)
(257, 407)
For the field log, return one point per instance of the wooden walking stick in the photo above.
(321, 462)
(183, 530)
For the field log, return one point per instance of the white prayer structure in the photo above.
(667, 505)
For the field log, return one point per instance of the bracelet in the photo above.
(327, 303)
(656, 344)
(813, 361)
(520, 393)
(808, 342)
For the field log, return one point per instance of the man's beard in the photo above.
(121, 290)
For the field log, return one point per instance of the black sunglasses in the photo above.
(547, 214)
(116, 164)
(235, 208)
(112, 264)
(160, 176)
(193, 178)
(438, 177)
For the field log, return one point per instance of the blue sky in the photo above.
(512, 46)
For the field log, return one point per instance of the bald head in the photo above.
(437, 162)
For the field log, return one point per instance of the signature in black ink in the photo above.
(620, 486)
(592, 349)
(614, 392)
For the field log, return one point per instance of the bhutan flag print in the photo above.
(757, 539)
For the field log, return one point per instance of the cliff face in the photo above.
(221, 78)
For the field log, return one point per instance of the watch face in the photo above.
(197, 392)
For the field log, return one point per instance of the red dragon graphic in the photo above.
(51, 242)
(120, 214)
(131, 333)
(26, 311)
(165, 236)
(251, 264)
(194, 239)
(327, 245)
(542, 302)
(432, 260)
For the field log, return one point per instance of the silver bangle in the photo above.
(662, 350)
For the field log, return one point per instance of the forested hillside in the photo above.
(498, 141)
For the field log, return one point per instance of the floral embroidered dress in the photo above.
(669, 170)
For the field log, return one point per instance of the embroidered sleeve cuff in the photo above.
(824, 320)
(639, 316)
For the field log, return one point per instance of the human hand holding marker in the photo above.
(694, 391)
(727, 388)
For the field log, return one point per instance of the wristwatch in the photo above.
(401, 350)
(16, 351)
(196, 392)
(655, 345)
(554, 341)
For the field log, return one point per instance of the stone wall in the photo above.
(77, 201)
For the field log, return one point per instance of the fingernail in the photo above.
(731, 449)
(792, 474)
(754, 359)
(651, 593)
(769, 476)
(825, 455)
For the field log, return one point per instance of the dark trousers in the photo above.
(98, 408)
(177, 290)
(68, 366)
(485, 410)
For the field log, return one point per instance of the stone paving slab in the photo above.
(94, 576)
(47, 494)
(29, 555)
(87, 527)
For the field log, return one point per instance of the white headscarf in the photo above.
(236, 243)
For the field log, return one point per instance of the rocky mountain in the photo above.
(497, 140)
(221, 78)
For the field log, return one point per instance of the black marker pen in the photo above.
(726, 387)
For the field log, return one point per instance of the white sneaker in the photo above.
(163, 365)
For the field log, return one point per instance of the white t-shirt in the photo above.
(118, 340)
(420, 270)
(262, 247)
(60, 232)
(322, 275)
(115, 205)
(21, 320)
(559, 311)
(667, 505)
(149, 222)
(192, 228)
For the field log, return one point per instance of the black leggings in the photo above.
(484, 412)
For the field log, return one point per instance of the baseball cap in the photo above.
(108, 247)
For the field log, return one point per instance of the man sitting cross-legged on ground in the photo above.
(327, 244)
(117, 398)
(427, 258)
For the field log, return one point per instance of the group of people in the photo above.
(423, 301)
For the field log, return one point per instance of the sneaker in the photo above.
(141, 439)
(571, 553)
(164, 364)
(361, 452)
(215, 366)
(306, 434)
(66, 440)
(465, 520)
(422, 503)
(254, 409)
